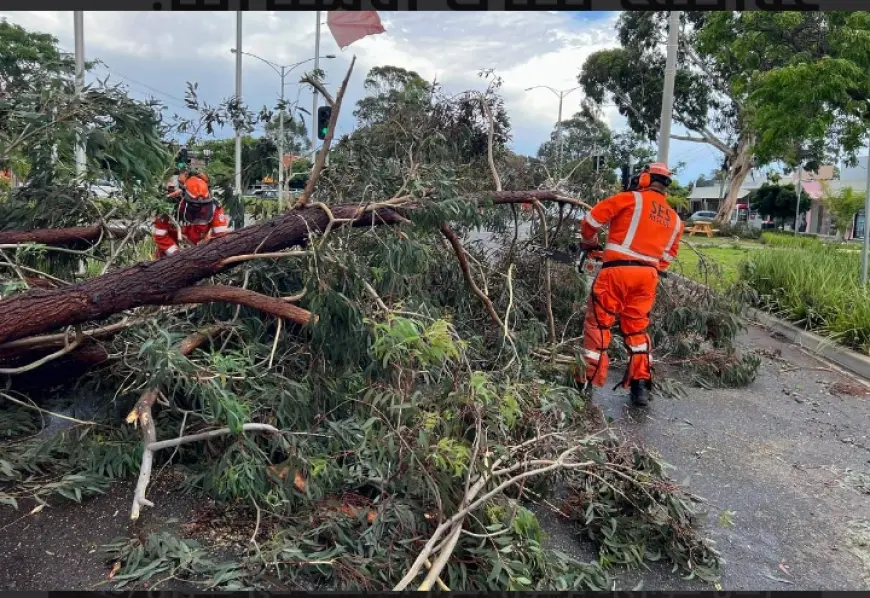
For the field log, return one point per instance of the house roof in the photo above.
(712, 192)
(857, 185)
(812, 188)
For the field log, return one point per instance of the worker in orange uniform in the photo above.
(644, 237)
(200, 216)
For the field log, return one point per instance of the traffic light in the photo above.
(182, 159)
(324, 114)
(626, 176)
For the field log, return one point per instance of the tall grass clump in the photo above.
(803, 241)
(819, 290)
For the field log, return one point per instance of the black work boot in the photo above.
(640, 393)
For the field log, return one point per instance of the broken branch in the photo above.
(324, 149)
(237, 296)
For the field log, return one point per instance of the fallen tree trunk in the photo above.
(155, 283)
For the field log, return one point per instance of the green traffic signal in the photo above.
(324, 114)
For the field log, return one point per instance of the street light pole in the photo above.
(314, 91)
(561, 95)
(239, 190)
(79, 33)
(561, 137)
(668, 91)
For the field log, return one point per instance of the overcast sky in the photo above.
(156, 53)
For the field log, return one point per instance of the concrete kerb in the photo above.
(816, 345)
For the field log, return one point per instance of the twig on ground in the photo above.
(46, 412)
(275, 343)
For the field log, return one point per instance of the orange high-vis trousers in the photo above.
(626, 292)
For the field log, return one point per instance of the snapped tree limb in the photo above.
(40, 311)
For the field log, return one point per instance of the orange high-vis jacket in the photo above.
(643, 227)
(166, 235)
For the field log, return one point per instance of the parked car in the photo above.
(104, 189)
(703, 216)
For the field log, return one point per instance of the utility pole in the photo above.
(314, 92)
(668, 91)
(561, 137)
(239, 190)
(866, 247)
(79, 32)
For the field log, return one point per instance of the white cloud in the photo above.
(162, 50)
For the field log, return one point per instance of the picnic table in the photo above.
(705, 228)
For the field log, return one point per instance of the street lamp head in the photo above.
(233, 50)
(330, 56)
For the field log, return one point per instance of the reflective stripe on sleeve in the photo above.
(592, 221)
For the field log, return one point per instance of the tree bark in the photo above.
(155, 282)
(741, 166)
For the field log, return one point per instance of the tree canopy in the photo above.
(778, 201)
(758, 86)
(842, 206)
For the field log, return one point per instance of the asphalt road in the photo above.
(787, 455)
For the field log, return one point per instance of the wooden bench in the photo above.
(705, 228)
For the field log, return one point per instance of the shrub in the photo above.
(801, 241)
(741, 230)
(819, 290)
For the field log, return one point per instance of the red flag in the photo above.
(349, 26)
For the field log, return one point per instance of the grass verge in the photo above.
(715, 264)
(818, 290)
